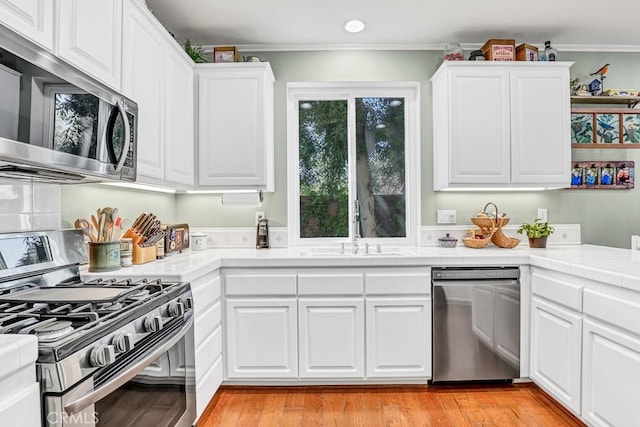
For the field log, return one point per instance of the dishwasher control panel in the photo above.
(475, 273)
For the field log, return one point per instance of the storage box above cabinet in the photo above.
(501, 125)
(235, 126)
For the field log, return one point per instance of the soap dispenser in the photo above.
(262, 234)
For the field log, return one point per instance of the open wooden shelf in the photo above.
(630, 101)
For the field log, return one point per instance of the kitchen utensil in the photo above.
(101, 222)
(83, 224)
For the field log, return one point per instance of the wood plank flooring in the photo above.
(450, 406)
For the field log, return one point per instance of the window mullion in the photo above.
(351, 142)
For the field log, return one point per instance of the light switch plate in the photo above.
(446, 216)
(542, 214)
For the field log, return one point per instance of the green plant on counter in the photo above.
(195, 52)
(537, 229)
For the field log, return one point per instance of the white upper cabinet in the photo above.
(179, 121)
(143, 81)
(235, 126)
(159, 78)
(32, 19)
(500, 125)
(90, 37)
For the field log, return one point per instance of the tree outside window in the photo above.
(353, 148)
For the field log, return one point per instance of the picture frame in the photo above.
(582, 130)
(603, 175)
(608, 128)
(631, 128)
(223, 54)
(605, 128)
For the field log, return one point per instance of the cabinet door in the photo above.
(610, 376)
(398, 337)
(262, 338)
(32, 19)
(178, 118)
(556, 338)
(331, 337)
(143, 81)
(540, 126)
(235, 131)
(479, 146)
(90, 37)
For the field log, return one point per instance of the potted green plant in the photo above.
(195, 52)
(537, 232)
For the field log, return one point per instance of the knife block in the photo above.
(141, 255)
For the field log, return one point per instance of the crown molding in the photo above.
(414, 46)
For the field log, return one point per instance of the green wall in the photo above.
(608, 217)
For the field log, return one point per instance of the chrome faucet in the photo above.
(356, 226)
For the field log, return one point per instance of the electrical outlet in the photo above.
(446, 216)
(542, 214)
(259, 216)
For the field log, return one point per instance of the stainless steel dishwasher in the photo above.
(476, 324)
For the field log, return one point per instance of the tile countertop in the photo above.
(613, 266)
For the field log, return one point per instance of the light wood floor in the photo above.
(450, 406)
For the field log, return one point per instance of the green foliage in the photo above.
(195, 52)
(324, 216)
(324, 170)
(537, 229)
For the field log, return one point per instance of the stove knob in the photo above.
(188, 303)
(123, 342)
(175, 309)
(102, 355)
(153, 324)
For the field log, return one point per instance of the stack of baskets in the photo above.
(490, 227)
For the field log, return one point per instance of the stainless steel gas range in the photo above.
(109, 352)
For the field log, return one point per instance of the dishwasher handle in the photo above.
(458, 283)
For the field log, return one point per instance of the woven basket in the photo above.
(499, 239)
(470, 242)
(489, 222)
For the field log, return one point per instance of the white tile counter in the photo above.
(613, 266)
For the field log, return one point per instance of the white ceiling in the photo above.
(262, 25)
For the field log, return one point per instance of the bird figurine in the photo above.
(602, 71)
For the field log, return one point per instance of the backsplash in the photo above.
(29, 206)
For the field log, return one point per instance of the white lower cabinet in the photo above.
(331, 334)
(207, 334)
(556, 338)
(398, 337)
(610, 376)
(262, 338)
(611, 357)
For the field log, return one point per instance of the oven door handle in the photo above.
(126, 375)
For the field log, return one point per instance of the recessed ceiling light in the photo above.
(354, 26)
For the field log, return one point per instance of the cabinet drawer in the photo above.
(207, 385)
(621, 310)
(557, 290)
(398, 282)
(206, 322)
(206, 291)
(208, 352)
(330, 284)
(261, 284)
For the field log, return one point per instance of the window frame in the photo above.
(410, 91)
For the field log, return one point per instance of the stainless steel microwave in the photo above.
(59, 125)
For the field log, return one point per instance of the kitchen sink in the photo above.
(338, 252)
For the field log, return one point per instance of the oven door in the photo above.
(153, 385)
